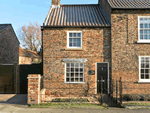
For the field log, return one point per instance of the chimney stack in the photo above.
(55, 2)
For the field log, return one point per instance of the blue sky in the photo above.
(21, 12)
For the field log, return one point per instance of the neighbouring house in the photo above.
(9, 45)
(27, 56)
(84, 44)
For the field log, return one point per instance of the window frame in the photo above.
(66, 73)
(143, 80)
(140, 40)
(69, 37)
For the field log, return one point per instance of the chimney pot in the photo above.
(55, 2)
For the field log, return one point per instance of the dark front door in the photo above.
(102, 75)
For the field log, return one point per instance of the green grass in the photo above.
(70, 100)
(139, 104)
(68, 105)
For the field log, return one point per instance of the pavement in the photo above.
(17, 103)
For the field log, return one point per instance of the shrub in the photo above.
(135, 97)
(126, 97)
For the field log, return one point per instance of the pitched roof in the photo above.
(130, 4)
(28, 53)
(77, 16)
(3, 26)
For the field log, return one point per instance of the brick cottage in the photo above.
(84, 44)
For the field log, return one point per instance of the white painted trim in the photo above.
(68, 39)
(107, 76)
(33, 77)
(142, 41)
(142, 80)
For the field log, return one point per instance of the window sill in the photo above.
(74, 49)
(147, 41)
(144, 82)
(74, 82)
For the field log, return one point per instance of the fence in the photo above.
(13, 77)
(122, 91)
(9, 77)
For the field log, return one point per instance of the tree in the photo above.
(31, 36)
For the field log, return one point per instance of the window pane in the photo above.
(76, 79)
(81, 75)
(142, 65)
(149, 25)
(145, 32)
(145, 36)
(72, 79)
(142, 76)
(70, 34)
(68, 64)
(74, 44)
(147, 59)
(76, 69)
(74, 40)
(76, 74)
(147, 65)
(78, 42)
(149, 37)
(74, 35)
(79, 35)
(142, 59)
(145, 20)
(145, 25)
(81, 64)
(72, 69)
(142, 70)
(141, 25)
(81, 69)
(68, 70)
(67, 79)
(72, 75)
(70, 40)
(81, 79)
(70, 44)
(146, 76)
(141, 32)
(76, 64)
(67, 75)
(72, 64)
(141, 36)
(141, 19)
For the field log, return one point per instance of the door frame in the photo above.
(96, 76)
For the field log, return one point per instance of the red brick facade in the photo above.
(34, 89)
(96, 48)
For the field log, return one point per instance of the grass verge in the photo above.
(67, 105)
(138, 104)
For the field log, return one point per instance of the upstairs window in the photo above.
(74, 39)
(144, 29)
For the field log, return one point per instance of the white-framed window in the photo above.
(144, 29)
(144, 68)
(74, 39)
(74, 72)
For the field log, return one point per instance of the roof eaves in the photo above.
(76, 26)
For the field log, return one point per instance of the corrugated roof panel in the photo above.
(129, 4)
(77, 15)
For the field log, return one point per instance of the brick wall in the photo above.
(125, 49)
(34, 88)
(9, 46)
(96, 48)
